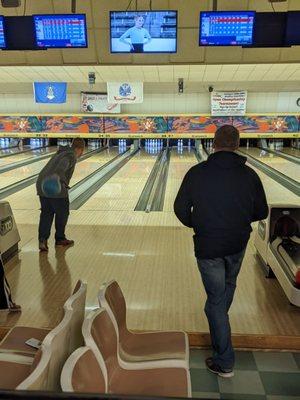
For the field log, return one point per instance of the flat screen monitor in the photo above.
(60, 30)
(19, 33)
(2, 33)
(292, 35)
(226, 28)
(143, 31)
(269, 29)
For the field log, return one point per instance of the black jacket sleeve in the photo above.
(261, 209)
(183, 202)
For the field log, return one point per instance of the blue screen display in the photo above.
(2, 36)
(143, 31)
(226, 28)
(60, 30)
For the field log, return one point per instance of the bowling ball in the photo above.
(51, 186)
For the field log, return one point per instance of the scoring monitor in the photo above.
(2, 34)
(60, 30)
(226, 28)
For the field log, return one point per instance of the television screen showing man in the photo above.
(137, 36)
(143, 32)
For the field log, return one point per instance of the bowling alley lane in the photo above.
(27, 199)
(13, 150)
(280, 164)
(123, 190)
(26, 156)
(291, 151)
(179, 165)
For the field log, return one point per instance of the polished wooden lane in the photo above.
(27, 199)
(34, 153)
(123, 190)
(179, 166)
(282, 165)
(291, 151)
(151, 255)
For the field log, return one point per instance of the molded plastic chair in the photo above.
(82, 373)
(100, 335)
(15, 339)
(14, 369)
(54, 352)
(142, 347)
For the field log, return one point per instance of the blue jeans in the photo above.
(219, 278)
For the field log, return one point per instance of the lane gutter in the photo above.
(153, 195)
(280, 178)
(143, 199)
(84, 190)
(17, 186)
(288, 157)
(22, 152)
(22, 163)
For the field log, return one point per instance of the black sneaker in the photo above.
(216, 369)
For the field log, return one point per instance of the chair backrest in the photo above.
(82, 373)
(76, 303)
(100, 335)
(54, 352)
(111, 298)
(59, 343)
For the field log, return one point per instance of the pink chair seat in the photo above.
(155, 382)
(142, 347)
(13, 374)
(17, 336)
(153, 346)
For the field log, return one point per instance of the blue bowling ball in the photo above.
(51, 186)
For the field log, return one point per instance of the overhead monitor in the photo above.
(226, 28)
(292, 35)
(2, 33)
(269, 29)
(19, 33)
(60, 30)
(143, 31)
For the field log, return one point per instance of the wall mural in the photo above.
(203, 124)
(267, 123)
(136, 124)
(72, 124)
(147, 124)
(20, 124)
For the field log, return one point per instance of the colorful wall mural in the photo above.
(147, 124)
(136, 124)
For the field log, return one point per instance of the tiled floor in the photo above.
(258, 376)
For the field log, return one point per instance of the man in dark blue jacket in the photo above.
(220, 198)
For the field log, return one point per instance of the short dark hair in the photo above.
(78, 143)
(227, 137)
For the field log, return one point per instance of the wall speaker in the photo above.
(11, 3)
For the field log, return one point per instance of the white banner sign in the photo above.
(228, 103)
(125, 92)
(97, 103)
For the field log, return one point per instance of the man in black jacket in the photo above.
(219, 198)
(61, 166)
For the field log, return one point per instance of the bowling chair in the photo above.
(146, 379)
(82, 373)
(142, 347)
(43, 372)
(15, 340)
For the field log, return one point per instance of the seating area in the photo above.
(96, 353)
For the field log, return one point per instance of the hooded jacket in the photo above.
(61, 164)
(219, 198)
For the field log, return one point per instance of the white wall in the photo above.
(155, 103)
